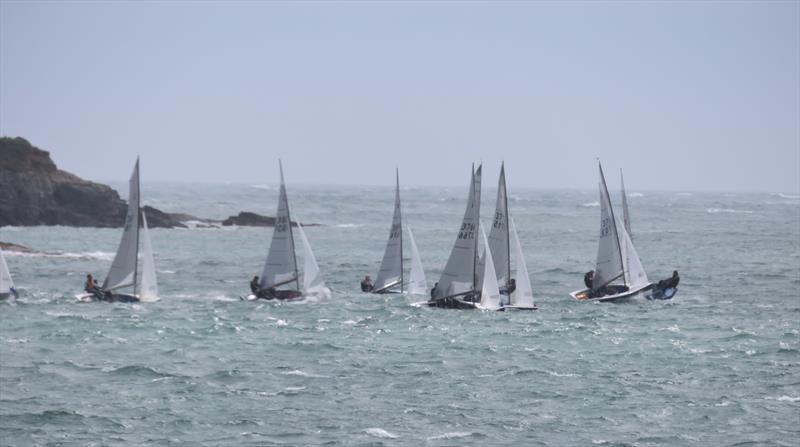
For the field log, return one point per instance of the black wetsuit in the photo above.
(366, 286)
(254, 286)
(588, 279)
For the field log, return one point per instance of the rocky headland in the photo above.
(33, 191)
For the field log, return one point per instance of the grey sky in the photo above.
(682, 95)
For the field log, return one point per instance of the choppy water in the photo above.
(718, 365)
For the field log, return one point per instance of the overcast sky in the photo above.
(682, 95)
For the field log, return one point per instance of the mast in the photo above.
(476, 206)
(289, 223)
(138, 213)
(507, 218)
(613, 222)
(397, 193)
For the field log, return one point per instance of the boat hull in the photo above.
(280, 295)
(113, 298)
(5, 296)
(583, 294)
(449, 303)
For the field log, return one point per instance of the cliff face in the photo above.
(33, 191)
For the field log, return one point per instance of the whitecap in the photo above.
(261, 186)
(788, 196)
(450, 435)
(635, 194)
(100, 255)
(727, 210)
(590, 204)
(380, 433)
(784, 398)
(349, 225)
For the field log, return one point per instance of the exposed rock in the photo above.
(159, 219)
(33, 191)
(250, 219)
(8, 246)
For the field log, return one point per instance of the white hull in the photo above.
(583, 294)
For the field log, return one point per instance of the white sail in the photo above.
(6, 283)
(635, 276)
(148, 291)
(417, 284)
(312, 280)
(123, 269)
(391, 271)
(523, 296)
(281, 265)
(626, 219)
(459, 273)
(609, 265)
(498, 235)
(490, 291)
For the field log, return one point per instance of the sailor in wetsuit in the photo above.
(670, 282)
(588, 278)
(366, 284)
(433, 291)
(255, 286)
(90, 286)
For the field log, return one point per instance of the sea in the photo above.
(718, 365)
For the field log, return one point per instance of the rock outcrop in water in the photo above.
(33, 191)
(250, 219)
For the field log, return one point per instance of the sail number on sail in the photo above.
(467, 231)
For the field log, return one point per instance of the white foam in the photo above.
(727, 210)
(590, 204)
(784, 398)
(349, 225)
(261, 186)
(635, 194)
(380, 433)
(101, 255)
(450, 435)
(788, 196)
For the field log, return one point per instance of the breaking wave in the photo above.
(727, 210)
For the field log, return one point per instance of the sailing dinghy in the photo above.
(499, 242)
(390, 277)
(664, 289)
(6, 283)
(458, 286)
(618, 273)
(281, 278)
(125, 282)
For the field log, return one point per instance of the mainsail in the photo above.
(490, 291)
(6, 283)
(626, 218)
(417, 284)
(523, 296)
(459, 274)
(149, 284)
(123, 269)
(391, 271)
(281, 265)
(609, 265)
